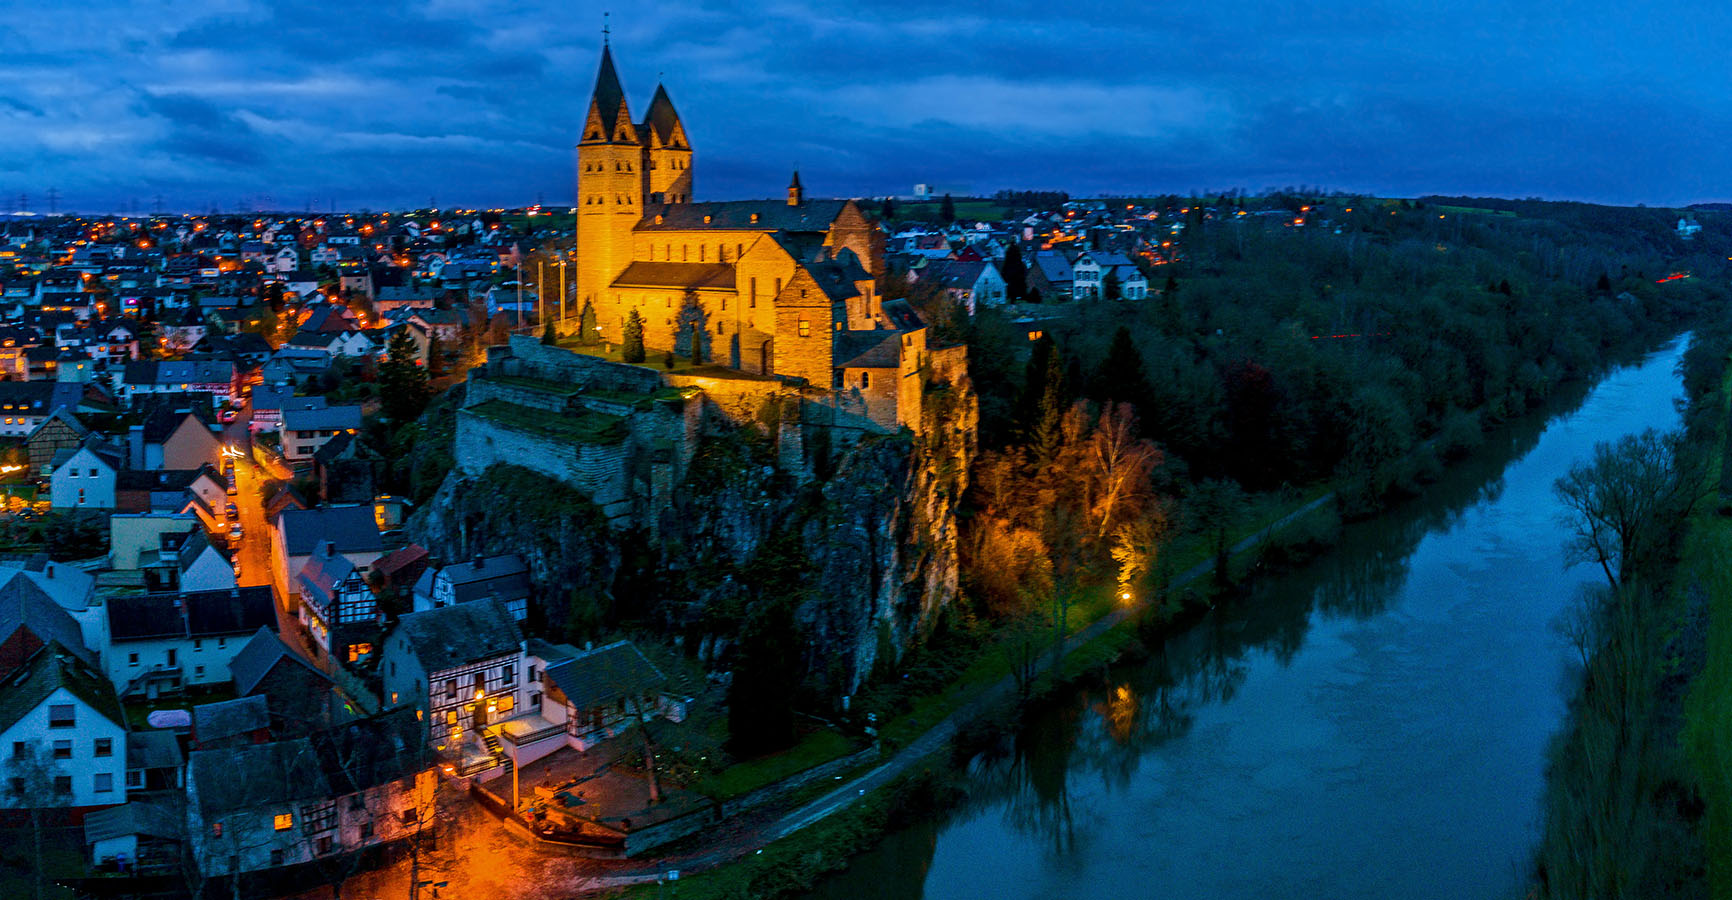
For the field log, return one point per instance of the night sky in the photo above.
(385, 104)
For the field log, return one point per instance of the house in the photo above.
(306, 430)
(139, 837)
(31, 620)
(597, 693)
(71, 588)
(400, 569)
(24, 404)
(300, 698)
(176, 434)
(137, 539)
(258, 807)
(213, 376)
(1688, 228)
(85, 478)
(165, 490)
(1094, 270)
(347, 470)
(269, 403)
(299, 532)
(337, 607)
(460, 668)
(154, 762)
(1051, 275)
(63, 732)
(163, 643)
(188, 563)
(969, 283)
(503, 578)
(231, 723)
(61, 430)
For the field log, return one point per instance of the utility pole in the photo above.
(53, 201)
(540, 295)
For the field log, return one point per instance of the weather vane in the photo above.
(604, 29)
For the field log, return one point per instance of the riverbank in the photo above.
(1708, 708)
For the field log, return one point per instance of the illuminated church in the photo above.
(784, 288)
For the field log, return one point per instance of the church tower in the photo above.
(667, 156)
(610, 194)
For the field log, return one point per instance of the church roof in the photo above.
(662, 120)
(868, 349)
(684, 276)
(736, 215)
(608, 96)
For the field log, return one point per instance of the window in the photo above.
(222, 642)
(805, 328)
(752, 295)
(450, 688)
(135, 779)
(393, 698)
(366, 830)
(410, 815)
(323, 845)
(60, 715)
(276, 857)
(197, 645)
(172, 656)
(20, 749)
(318, 817)
(198, 671)
(283, 821)
(16, 786)
(104, 747)
(865, 380)
(104, 783)
(534, 676)
(535, 700)
(132, 659)
(508, 674)
(62, 749)
(63, 784)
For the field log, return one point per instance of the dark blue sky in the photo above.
(386, 104)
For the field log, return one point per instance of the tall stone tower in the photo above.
(610, 191)
(667, 156)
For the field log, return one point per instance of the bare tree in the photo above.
(30, 780)
(1623, 504)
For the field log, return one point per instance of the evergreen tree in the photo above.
(1015, 273)
(631, 342)
(889, 209)
(549, 337)
(947, 210)
(1120, 377)
(402, 382)
(1113, 286)
(1044, 400)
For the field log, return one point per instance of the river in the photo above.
(1373, 724)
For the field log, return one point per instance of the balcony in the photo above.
(525, 730)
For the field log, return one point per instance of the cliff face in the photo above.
(877, 538)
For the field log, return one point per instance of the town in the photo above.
(228, 662)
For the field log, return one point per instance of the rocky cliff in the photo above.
(876, 540)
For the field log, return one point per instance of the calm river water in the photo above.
(1371, 725)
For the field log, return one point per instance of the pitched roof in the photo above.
(452, 636)
(868, 349)
(608, 96)
(25, 605)
(329, 417)
(230, 718)
(51, 668)
(400, 560)
(195, 614)
(159, 749)
(254, 775)
(685, 276)
(505, 577)
(324, 571)
(136, 817)
(605, 674)
(661, 118)
(63, 416)
(736, 215)
(352, 528)
(260, 655)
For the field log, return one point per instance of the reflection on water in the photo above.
(1372, 724)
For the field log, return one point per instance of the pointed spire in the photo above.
(608, 100)
(662, 119)
(796, 192)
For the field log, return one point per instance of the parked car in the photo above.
(235, 534)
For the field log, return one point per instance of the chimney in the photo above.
(480, 561)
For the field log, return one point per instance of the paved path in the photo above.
(905, 759)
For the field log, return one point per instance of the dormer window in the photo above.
(754, 218)
(706, 220)
(658, 218)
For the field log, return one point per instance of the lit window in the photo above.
(284, 821)
(805, 328)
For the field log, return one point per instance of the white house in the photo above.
(306, 430)
(163, 643)
(461, 668)
(63, 734)
(84, 478)
(298, 533)
(504, 578)
(268, 403)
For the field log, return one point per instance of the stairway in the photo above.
(491, 740)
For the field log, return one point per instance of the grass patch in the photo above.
(814, 749)
(1708, 707)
